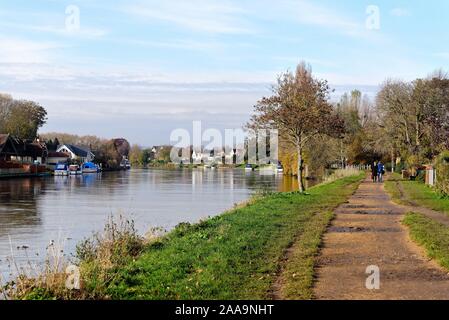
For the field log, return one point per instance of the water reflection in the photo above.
(35, 211)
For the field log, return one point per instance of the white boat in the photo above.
(279, 168)
(90, 167)
(249, 167)
(74, 169)
(62, 170)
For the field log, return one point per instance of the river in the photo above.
(36, 211)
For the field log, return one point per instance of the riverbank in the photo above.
(237, 255)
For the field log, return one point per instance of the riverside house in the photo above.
(21, 158)
(76, 154)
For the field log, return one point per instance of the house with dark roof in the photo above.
(76, 154)
(19, 157)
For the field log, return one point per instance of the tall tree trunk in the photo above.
(300, 170)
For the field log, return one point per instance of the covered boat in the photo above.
(90, 167)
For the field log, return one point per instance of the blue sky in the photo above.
(141, 68)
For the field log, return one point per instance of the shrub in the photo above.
(442, 172)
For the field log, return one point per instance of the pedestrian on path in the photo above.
(374, 171)
(380, 171)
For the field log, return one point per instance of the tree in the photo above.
(21, 118)
(432, 97)
(136, 155)
(299, 109)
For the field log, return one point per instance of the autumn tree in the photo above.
(300, 110)
(21, 118)
(136, 155)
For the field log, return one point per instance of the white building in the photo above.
(76, 153)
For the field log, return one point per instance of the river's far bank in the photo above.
(235, 255)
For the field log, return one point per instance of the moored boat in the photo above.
(61, 169)
(249, 167)
(74, 169)
(279, 168)
(90, 167)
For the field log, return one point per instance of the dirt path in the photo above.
(368, 231)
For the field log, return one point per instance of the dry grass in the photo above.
(97, 258)
(342, 173)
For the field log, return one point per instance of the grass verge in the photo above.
(298, 275)
(433, 236)
(416, 193)
(236, 255)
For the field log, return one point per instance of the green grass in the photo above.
(417, 193)
(236, 255)
(299, 271)
(433, 236)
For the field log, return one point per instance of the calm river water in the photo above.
(34, 212)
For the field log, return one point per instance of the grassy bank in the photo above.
(236, 255)
(425, 231)
(416, 193)
(433, 236)
(232, 256)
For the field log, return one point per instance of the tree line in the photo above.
(406, 125)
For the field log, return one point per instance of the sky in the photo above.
(141, 68)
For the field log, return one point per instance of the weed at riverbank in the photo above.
(98, 259)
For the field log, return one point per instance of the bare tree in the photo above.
(299, 109)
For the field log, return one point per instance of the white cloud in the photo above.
(400, 12)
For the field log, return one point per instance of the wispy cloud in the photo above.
(400, 12)
(15, 50)
(208, 16)
(314, 14)
(84, 32)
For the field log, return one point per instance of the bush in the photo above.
(442, 172)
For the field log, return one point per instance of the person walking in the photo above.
(380, 171)
(374, 171)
